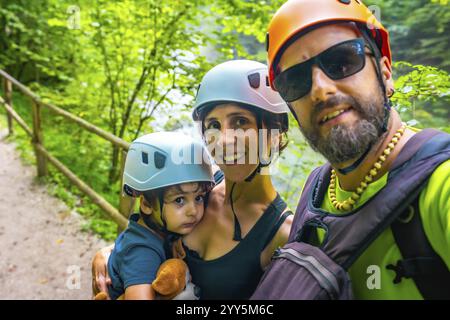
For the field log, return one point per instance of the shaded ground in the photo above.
(43, 253)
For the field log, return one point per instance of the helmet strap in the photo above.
(169, 237)
(161, 204)
(260, 165)
(237, 236)
(356, 164)
(377, 53)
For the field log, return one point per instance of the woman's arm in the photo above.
(140, 292)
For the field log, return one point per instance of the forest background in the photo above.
(133, 66)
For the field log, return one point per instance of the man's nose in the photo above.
(322, 87)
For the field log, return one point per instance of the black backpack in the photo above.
(303, 269)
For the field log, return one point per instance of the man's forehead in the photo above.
(315, 42)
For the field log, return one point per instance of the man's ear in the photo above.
(146, 208)
(386, 71)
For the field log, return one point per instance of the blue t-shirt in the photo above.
(136, 257)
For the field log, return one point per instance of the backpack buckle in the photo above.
(400, 271)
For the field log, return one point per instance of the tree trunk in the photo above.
(113, 171)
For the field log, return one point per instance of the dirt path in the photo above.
(43, 253)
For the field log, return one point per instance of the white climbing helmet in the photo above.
(240, 81)
(164, 159)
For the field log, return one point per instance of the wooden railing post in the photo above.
(126, 203)
(7, 88)
(38, 139)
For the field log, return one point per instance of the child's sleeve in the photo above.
(139, 265)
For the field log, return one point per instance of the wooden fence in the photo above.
(120, 216)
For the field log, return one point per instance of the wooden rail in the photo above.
(42, 155)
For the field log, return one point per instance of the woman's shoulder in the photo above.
(282, 235)
(279, 239)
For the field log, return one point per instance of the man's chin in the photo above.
(325, 135)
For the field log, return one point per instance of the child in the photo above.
(172, 200)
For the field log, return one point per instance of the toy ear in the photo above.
(166, 284)
(171, 278)
(101, 296)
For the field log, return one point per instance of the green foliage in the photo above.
(58, 185)
(129, 66)
(419, 30)
(420, 43)
(428, 87)
(296, 163)
(105, 228)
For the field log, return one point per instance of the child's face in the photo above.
(183, 207)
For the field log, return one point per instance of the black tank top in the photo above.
(236, 274)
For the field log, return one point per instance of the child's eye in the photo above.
(179, 200)
(200, 198)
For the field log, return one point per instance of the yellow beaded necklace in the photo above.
(348, 204)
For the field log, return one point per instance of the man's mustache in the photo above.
(331, 103)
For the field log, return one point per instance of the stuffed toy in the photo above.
(172, 279)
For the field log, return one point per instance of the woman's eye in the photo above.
(241, 122)
(213, 125)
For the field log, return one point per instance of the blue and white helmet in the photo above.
(163, 159)
(239, 81)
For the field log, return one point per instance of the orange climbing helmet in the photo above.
(297, 16)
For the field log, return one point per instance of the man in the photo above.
(331, 61)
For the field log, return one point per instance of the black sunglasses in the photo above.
(337, 62)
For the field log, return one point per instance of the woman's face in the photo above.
(231, 133)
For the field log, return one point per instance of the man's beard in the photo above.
(343, 142)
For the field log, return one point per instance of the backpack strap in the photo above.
(277, 226)
(405, 183)
(420, 262)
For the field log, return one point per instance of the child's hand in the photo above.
(100, 277)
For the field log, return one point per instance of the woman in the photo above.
(245, 220)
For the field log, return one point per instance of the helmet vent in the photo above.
(160, 160)
(254, 80)
(267, 81)
(345, 1)
(145, 157)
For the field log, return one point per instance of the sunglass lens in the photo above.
(295, 82)
(338, 62)
(343, 60)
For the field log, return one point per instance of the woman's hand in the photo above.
(100, 277)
